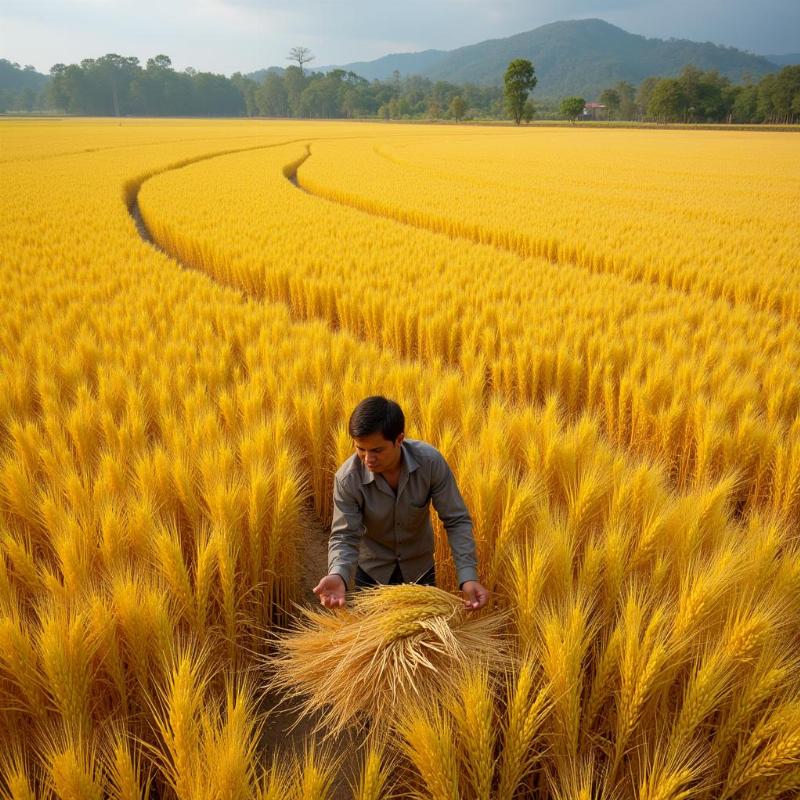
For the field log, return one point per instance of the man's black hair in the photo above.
(377, 414)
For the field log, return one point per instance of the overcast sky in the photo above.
(230, 35)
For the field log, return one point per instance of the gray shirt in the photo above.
(376, 528)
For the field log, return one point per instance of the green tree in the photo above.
(528, 110)
(668, 101)
(322, 98)
(645, 92)
(457, 108)
(160, 61)
(247, 88)
(745, 104)
(627, 100)
(571, 107)
(611, 99)
(708, 96)
(271, 97)
(216, 96)
(58, 90)
(114, 73)
(779, 95)
(518, 82)
(295, 82)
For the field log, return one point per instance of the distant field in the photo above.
(599, 328)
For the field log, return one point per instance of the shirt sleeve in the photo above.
(455, 517)
(347, 528)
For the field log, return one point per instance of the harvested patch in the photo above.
(395, 645)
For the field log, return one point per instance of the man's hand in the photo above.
(331, 590)
(475, 595)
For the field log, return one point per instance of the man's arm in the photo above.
(347, 527)
(453, 513)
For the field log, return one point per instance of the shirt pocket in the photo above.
(417, 514)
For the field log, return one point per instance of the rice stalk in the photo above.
(527, 568)
(17, 774)
(72, 767)
(375, 773)
(126, 777)
(230, 741)
(528, 704)
(642, 657)
(66, 652)
(473, 714)
(428, 741)
(671, 776)
(314, 774)
(178, 719)
(771, 750)
(20, 663)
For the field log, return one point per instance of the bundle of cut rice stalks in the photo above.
(393, 646)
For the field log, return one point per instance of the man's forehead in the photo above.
(371, 441)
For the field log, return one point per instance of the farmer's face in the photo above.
(379, 454)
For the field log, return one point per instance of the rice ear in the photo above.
(314, 773)
(375, 773)
(127, 777)
(428, 742)
(18, 775)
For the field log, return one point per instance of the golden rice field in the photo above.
(600, 329)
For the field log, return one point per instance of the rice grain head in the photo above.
(428, 742)
(375, 773)
(473, 713)
(528, 705)
(314, 774)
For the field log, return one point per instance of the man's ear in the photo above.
(399, 439)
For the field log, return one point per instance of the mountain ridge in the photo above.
(570, 57)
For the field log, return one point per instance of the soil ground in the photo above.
(284, 733)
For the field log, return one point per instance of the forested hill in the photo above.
(405, 63)
(15, 78)
(380, 69)
(573, 57)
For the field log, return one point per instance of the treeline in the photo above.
(339, 94)
(20, 87)
(116, 85)
(698, 96)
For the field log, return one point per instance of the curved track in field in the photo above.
(461, 232)
(475, 234)
(401, 217)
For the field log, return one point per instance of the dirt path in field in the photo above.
(141, 228)
(284, 733)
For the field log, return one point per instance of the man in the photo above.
(381, 520)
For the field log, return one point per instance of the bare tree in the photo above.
(302, 55)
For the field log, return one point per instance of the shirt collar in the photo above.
(409, 464)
